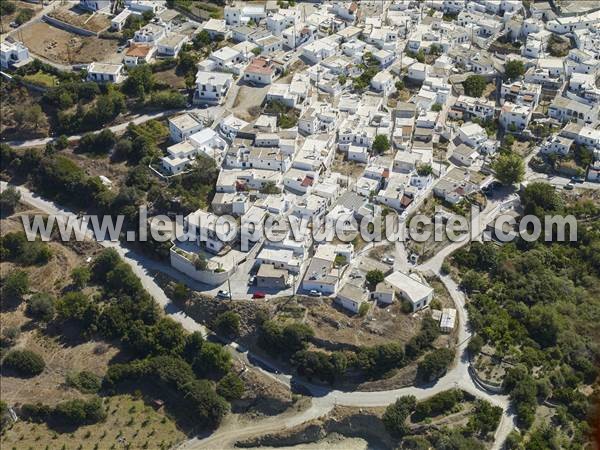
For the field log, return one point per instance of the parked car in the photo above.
(259, 295)
(568, 187)
(14, 25)
(314, 293)
(224, 294)
(577, 179)
(251, 280)
(389, 260)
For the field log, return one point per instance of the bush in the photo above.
(394, 417)
(475, 345)
(15, 246)
(86, 382)
(79, 412)
(438, 404)
(381, 143)
(15, 285)
(25, 362)
(374, 277)
(435, 364)
(284, 340)
(474, 85)
(41, 307)
(80, 276)
(168, 99)
(228, 323)
(230, 387)
(364, 309)
(99, 143)
(9, 199)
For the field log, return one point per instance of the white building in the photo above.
(383, 82)
(472, 134)
(105, 73)
(94, 5)
(513, 116)
(183, 126)
(351, 297)
(260, 70)
(411, 288)
(13, 54)
(448, 320)
(211, 87)
(171, 45)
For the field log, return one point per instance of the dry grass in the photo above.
(129, 421)
(13, 98)
(66, 48)
(83, 19)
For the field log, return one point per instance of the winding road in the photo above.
(324, 399)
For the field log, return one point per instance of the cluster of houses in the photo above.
(395, 154)
(266, 170)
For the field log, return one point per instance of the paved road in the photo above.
(324, 398)
(214, 112)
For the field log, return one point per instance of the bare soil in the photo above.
(83, 19)
(12, 99)
(6, 19)
(63, 47)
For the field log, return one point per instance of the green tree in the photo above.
(24, 362)
(228, 323)
(15, 285)
(181, 292)
(374, 277)
(73, 306)
(202, 39)
(212, 361)
(475, 344)
(509, 169)
(435, 363)
(139, 82)
(474, 85)
(514, 68)
(381, 144)
(81, 276)
(9, 199)
(230, 387)
(41, 307)
(394, 417)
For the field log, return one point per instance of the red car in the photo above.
(259, 295)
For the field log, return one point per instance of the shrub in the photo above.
(394, 417)
(435, 363)
(80, 276)
(86, 382)
(9, 199)
(438, 404)
(374, 277)
(474, 85)
(381, 143)
(25, 362)
(41, 307)
(78, 412)
(364, 309)
(228, 323)
(15, 285)
(230, 387)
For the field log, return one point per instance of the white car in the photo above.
(389, 260)
(314, 293)
(251, 280)
(224, 294)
